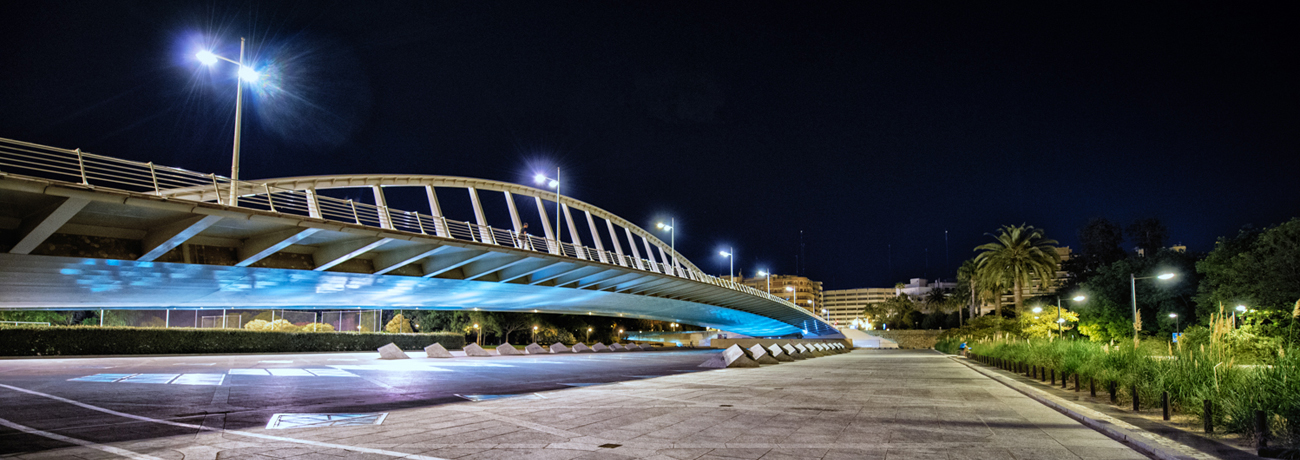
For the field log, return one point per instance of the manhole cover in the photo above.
(282, 421)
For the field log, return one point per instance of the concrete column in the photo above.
(595, 236)
(484, 233)
(636, 253)
(649, 255)
(618, 248)
(436, 211)
(546, 226)
(385, 221)
(313, 204)
(573, 231)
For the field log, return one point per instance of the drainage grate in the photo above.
(610, 446)
(283, 421)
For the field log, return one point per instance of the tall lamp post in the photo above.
(1240, 308)
(672, 239)
(534, 334)
(588, 334)
(479, 341)
(1174, 316)
(1132, 284)
(539, 179)
(731, 272)
(767, 275)
(1060, 321)
(245, 74)
(794, 295)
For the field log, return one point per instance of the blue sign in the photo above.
(1176, 335)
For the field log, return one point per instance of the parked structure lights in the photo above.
(245, 74)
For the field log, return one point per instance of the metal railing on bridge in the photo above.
(98, 171)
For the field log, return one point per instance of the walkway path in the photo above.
(869, 404)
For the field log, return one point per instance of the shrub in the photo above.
(82, 340)
(318, 327)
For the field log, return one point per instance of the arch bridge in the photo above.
(85, 231)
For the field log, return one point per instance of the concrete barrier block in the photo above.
(616, 347)
(761, 356)
(558, 347)
(474, 350)
(778, 353)
(633, 347)
(391, 351)
(535, 349)
(580, 348)
(436, 351)
(598, 347)
(506, 349)
(792, 352)
(733, 356)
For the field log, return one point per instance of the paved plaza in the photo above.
(868, 404)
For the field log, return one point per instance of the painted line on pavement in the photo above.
(236, 432)
(80, 442)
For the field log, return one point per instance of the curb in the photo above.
(1137, 441)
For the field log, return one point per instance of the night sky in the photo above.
(863, 125)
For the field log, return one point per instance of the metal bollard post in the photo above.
(1261, 430)
(1113, 398)
(1135, 397)
(1092, 386)
(1164, 401)
(1063, 379)
(1208, 415)
(1053, 377)
(1076, 382)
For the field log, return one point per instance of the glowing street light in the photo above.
(1174, 316)
(246, 73)
(672, 238)
(1132, 284)
(731, 272)
(588, 334)
(1038, 310)
(794, 295)
(1060, 322)
(539, 179)
(764, 273)
(534, 334)
(480, 334)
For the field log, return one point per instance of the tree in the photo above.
(895, 310)
(398, 325)
(1100, 239)
(1107, 312)
(1044, 323)
(511, 322)
(1259, 269)
(1017, 255)
(1148, 234)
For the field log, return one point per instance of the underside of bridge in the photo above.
(75, 247)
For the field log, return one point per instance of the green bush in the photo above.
(82, 340)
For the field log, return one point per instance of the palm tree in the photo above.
(1017, 255)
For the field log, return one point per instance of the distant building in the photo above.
(844, 306)
(805, 290)
(1036, 287)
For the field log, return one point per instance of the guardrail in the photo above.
(98, 171)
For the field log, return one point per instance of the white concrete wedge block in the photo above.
(793, 352)
(580, 348)
(733, 356)
(598, 347)
(474, 350)
(391, 351)
(558, 347)
(535, 349)
(616, 347)
(436, 351)
(633, 347)
(506, 349)
(761, 355)
(779, 353)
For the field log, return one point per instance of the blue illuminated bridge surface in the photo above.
(81, 231)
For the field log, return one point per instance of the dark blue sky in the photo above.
(862, 125)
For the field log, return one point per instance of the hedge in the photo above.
(93, 340)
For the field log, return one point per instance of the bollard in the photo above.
(1111, 386)
(1042, 374)
(1092, 386)
(1261, 430)
(1076, 382)
(1164, 401)
(1053, 377)
(1063, 376)
(1208, 415)
(1135, 397)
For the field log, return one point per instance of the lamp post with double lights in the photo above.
(1060, 322)
(540, 179)
(672, 238)
(1137, 325)
(245, 74)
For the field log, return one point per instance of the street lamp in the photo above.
(539, 179)
(764, 273)
(825, 314)
(480, 334)
(1132, 284)
(672, 238)
(794, 295)
(1240, 308)
(1174, 316)
(245, 74)
(1060, 322)
(588, 334)
(731, 272)
(534, 334)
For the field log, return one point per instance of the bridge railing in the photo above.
(98, 171)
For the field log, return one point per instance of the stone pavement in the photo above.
(868, 404)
